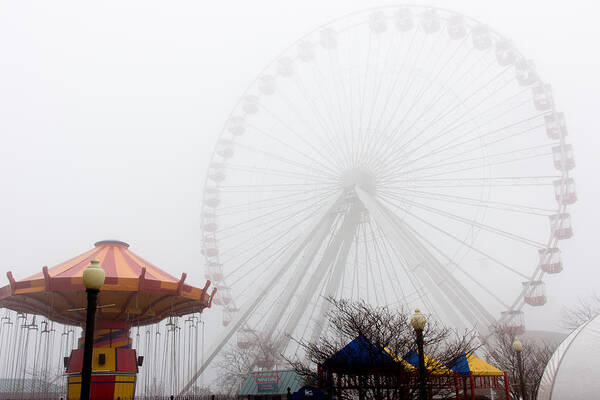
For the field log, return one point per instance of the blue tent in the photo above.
(360, 354)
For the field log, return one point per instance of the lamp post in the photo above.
(93, 279)
(518, 348)
(418, 322)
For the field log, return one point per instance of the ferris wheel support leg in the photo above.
(333, 251)
(292, 286)
(240, 319)
(441, 284)
(336, 278)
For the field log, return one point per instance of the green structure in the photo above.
(267, 385)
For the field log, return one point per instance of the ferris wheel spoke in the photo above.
(458, 267)
(413, 280)
(466, 304)
(448, 111)
(355, 279)
(442, 164)
(333, 109)
(343, 109)
(368, 262)
(490, 164)
(461, 135)
(300, 137)
(281, 172)
(381, 262)
(474, 202)
(356, 112)
(376, 276)
(482, 311)
(475, 119)
(325, 126)
(391, 119)
(389, 266)
(425, 87)
(272, 222)
(250, 246)
(512, 136)
(261, 219)
(500, 181)
(439, 95)
(451, 145)
(409, 81)
(404, 149)
(276, 187)
(265, 202)
(469, 222)
(246, 251)
(331, 146)
(368, 112)
(279, 157)
(257, 253)
(330, 131)
(326, 167)
(363, 90)
(371, 266)
(444, 113)
(365, 142)
(252, 279)
(356, 132)
(329, 101)
(436, 280)
(462, 242)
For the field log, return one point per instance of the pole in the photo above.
(521, 378)
(86, 371)
(506, 386)
(422, 371)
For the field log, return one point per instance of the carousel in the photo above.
(136, 295)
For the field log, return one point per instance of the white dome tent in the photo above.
(574, 368)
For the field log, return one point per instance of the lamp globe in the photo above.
(418, 320)
(93, 275)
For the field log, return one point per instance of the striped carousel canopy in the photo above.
(135, 291)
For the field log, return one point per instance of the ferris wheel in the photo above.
(406, 156)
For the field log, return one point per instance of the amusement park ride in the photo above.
(406, 156)
(135, 293)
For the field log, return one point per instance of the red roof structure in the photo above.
(135, 291)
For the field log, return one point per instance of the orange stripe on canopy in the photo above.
(126, 269)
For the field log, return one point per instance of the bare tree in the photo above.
(535, 356)
(235, 362)
(583, 311)
(385, 330)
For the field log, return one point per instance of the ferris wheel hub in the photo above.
(359, 176)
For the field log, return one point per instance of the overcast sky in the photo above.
(109, 112)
